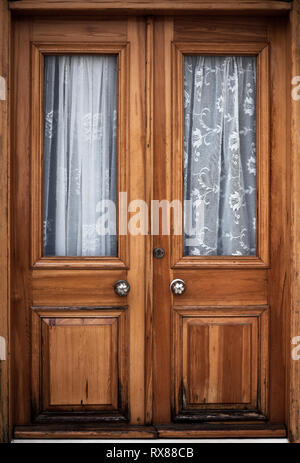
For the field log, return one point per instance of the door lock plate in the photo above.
(158, 253)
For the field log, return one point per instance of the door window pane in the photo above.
(80, 149)
(220, 155)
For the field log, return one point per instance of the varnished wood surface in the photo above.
(293, 375)
(278, 274)
(220, 362)
(158, 7)
(84, 432)
(55, 282)
(149, 181)
(137, 274)
(57, 287)
(215, 431)
(163, 36)
(245, 29)
(223, 287)
(237, 284)
(4, 222)
(82, 363)
(149, 125)
(149, 432)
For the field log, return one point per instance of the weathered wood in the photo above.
(155, 7)
(210, 431)
(4, 218)
(149, 240)
(293, 389)
(163, 33)
(57, 284)
(65, 431)
(278, 278)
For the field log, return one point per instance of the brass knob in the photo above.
(121, 287)
(177, 286)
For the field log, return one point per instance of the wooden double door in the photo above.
(206, 356)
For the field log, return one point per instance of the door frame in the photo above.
(292, 12)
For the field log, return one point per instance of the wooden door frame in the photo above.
(164, 7)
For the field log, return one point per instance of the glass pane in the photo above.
(80, 166)
(220, 155)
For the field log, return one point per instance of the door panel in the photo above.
(81, 365)
(86, 350)
(231, 312)
(220, 363)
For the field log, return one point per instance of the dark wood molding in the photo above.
(156, 7)
(65, 431)
(293, 370)
(4, 221)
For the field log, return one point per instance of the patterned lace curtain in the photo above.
(80, 114)
(220, 155)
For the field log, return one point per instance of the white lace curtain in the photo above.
(80, 111)
(220, 155)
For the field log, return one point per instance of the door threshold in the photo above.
(81, 431)
(176, 431)
(223, 430)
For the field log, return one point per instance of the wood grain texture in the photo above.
(67, 431)
(278, 274)
(83, 362)
(20, 220)
(158, 7)
(222, 285)
(79, 362)
(163, 33)
(58, 30)
(293, 390)
(220, 363)
(93, 287)
(210, 431)
(4, 222)
(242, 29)
(137, 271)
(67, 286)
(149, 180)
(217, 287)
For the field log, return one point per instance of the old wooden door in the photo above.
(79, 89)
(189, 112)
(219, 345)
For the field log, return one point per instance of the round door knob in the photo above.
(177, 286)
(121, 287)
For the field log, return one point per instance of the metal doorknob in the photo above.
(177, 286)
(121, 287)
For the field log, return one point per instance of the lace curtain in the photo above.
(220, 155)
(80, 116)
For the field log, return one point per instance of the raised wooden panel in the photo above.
(82, 361)
(79, 362)
(92, 287)
(215, 29)
(219, 287)
(220, 363)
(217, 361)
(92, 31)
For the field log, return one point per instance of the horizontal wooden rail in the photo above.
(241, 7)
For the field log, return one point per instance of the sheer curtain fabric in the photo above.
(220, 155)
(80, 166)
